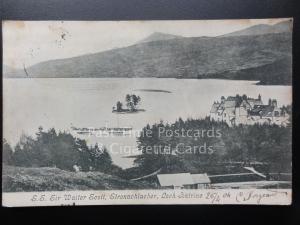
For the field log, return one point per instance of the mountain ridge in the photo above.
(181, 57)
(159, 36)
(260, 29)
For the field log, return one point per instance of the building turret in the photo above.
(270, 102)
(222, 99)
(259, 97)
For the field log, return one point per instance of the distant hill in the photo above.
(280, 71)
(166, 56)
(260, 29)
(177, 58)
(157, 36)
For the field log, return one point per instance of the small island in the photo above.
(132, 104)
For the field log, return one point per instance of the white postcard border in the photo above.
(150, 197)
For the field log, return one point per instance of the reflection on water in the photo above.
(62, 103)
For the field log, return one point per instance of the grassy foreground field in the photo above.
(21, 179)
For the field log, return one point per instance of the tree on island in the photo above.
(132, 101)
(119, 106)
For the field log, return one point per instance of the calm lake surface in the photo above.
(61, 103)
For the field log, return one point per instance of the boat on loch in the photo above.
(115, 131)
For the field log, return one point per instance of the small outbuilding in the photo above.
(201, 180)
(183, 181)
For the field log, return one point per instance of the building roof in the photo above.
(242, 177)
(231, 98)
(262, 110)
(200, 178)
(214, 108)
(176, 179)
(229, 104)
(267, 112)
(180, 179)
(244, 103)
(255, 102)
(254, 106)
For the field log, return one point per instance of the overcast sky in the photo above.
(31, 42)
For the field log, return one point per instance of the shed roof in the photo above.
(176, 179)
(200, 178)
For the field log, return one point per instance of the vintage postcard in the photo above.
(147, 112)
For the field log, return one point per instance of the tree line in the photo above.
(270, 145)
(61, 150)
(243, 144)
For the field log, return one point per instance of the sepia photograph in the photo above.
(147, 112)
